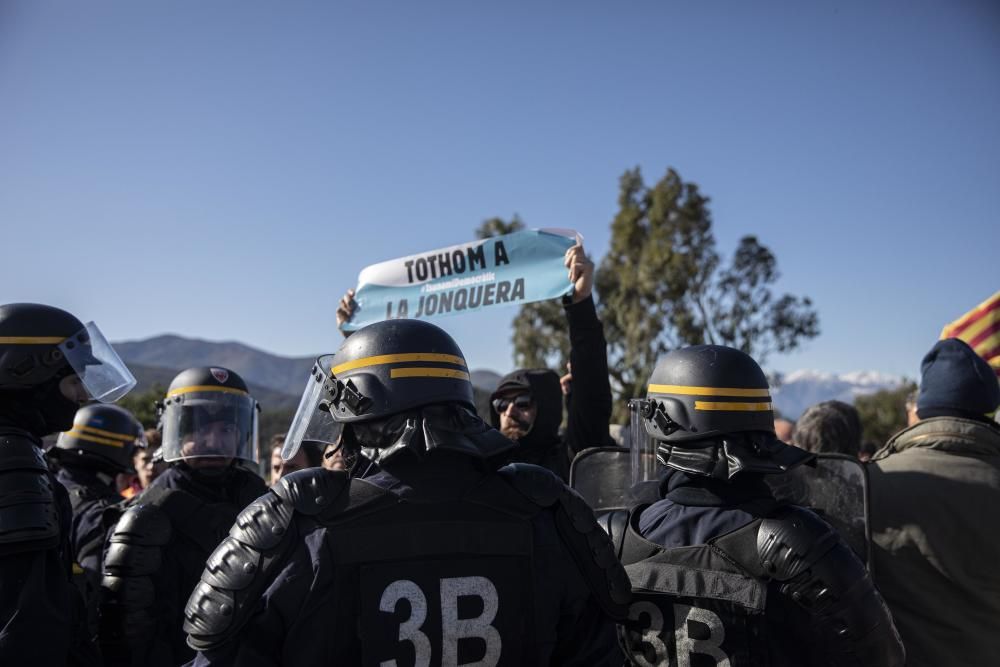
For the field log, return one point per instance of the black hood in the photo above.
(543, 385)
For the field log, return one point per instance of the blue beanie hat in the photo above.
(955, 381)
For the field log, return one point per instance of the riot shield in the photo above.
(602, 475)
(836, 488)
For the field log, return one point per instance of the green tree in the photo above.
(143, 404)
(541, 337)
(883, 413)
(663, 285)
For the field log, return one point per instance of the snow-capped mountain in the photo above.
(800, 389)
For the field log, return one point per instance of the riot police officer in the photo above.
(160, 544)
(722, 573)
(438, 558)
(50, 364)
(99, 446)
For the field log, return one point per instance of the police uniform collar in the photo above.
(695, 491)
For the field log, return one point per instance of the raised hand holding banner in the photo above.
(515, 268)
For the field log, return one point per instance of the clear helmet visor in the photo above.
(311, 423)
(100, 372)
(209, 424)
(642, 446)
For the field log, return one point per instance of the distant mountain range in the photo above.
(277, 381)
(800, 389)
(274, 380)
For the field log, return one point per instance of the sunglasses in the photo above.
(522, 402)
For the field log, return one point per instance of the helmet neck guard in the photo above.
(445, 427)
(727, 456)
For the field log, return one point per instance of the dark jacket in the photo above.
(935, 509)
(373, 568)
(718, 537)
(90, 496)
(588, 407)
(139, 632)
(42, 615)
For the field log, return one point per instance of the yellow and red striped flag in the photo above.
(980, 328)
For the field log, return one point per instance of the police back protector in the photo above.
(696, 605)
(414, 583)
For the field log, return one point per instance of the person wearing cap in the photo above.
(159, 546)
(50, 365)
(439, 558)
(722, 572)
(935, 508)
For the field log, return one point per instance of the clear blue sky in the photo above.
(225, 169)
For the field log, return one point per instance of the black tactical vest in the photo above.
(707, 605)
(447, 581)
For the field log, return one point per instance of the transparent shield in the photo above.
(209, 424)
(102, 373)
(311, 423)
(836, 488)
(602, 475)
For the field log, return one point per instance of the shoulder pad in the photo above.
(143, 524)
(539, 484)
(791, 540)
(241, 567)
(312, 490)
(29, 516)
(133, 556)
(593, 552)
(134, 548)
(614, 523)
(20, 452)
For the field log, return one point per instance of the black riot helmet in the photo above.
(208, 413)
(708, 411)
(384, 369)
(40, 344)
(103, 436)
(396, 365)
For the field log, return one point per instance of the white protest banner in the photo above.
(514, 268)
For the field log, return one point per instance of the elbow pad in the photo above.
(822, 575)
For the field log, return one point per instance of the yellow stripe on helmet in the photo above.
(381, 359)
(207, 387)
(732, 407)
(107, 434)
(428, 373)
(80, 435)
(707, 391)
(31, 340)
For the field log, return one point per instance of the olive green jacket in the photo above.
(935, 513)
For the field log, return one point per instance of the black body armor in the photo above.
(151, 563)
(782, 590)
(387, 550)
(29, 516)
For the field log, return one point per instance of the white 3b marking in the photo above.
(684, 643)
(453, 628)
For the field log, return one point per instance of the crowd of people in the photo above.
(400, 527)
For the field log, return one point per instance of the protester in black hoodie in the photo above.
(527, 404)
